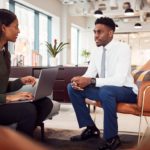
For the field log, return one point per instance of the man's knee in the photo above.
(69, 88)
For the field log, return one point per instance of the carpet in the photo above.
(58, 139)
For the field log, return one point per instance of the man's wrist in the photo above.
(93, 81)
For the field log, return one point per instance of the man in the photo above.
(108, 79)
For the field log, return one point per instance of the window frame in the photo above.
(12, 4)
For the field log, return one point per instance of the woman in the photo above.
(26, 115)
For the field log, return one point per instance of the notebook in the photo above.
(44, 86)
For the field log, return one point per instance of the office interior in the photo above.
(72, 21)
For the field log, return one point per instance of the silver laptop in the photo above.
(44, 86)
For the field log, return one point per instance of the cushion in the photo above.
(140, 76)
(55, 109)
(136, 74)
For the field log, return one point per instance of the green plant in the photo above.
(85, 53)
(53, 50)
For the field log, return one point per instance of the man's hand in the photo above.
(75, 86)
(19, 96)
(79, 82)
(28, 80)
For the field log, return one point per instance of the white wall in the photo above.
(3, 3)
(51, 6)
(80, 22)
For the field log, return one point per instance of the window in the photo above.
(78, 40)
(139, 44)
(25, 42)
(74, 45)
(35, 30)
(43, 23)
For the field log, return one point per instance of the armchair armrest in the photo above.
(55, 109)
(144, 96)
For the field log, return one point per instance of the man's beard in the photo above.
(98, 45)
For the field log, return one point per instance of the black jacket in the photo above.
(5, 85)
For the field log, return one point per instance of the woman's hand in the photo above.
(28, 80)
(19, 96)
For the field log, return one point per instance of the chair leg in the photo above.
(94, 108)
(140, 137)
(42, 131)
(94, 119)
(146, 128)
(94, 111)
(146, 121)
(142, 110)
(139, 131)
(89, 107)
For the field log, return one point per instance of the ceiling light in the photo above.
(129, 12)
(98, 13)
(138, 26)
(117, 27)
(68, 2)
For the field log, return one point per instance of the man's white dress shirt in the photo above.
(117, 66)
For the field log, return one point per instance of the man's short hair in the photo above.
(106, 21)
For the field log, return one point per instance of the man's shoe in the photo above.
(86, 134)
(114, 144)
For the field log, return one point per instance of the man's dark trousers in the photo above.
(108, 96)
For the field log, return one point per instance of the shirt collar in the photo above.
(108, 46)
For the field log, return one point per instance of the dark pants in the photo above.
(26, 115)
(108, 96)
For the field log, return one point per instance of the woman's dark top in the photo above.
(5, 85)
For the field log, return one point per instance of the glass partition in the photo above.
(140, 46)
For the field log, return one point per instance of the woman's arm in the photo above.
(2, 98)
(18, 83)
(14, 85)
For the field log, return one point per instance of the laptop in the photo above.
(44, 86)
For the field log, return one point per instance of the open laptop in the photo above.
(44, 86)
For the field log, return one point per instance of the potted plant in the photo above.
(53, 50)
(86, 54)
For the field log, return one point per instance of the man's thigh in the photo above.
(92, 92)
(121, 94)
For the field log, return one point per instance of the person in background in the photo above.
(108, 79)
(26, 115)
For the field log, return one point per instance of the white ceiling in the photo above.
(110, 8)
